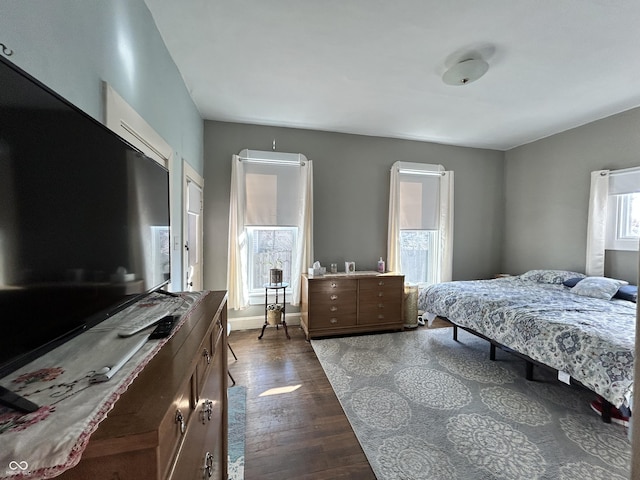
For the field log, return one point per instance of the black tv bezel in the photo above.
(98, 317)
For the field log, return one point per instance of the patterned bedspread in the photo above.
(591, 339)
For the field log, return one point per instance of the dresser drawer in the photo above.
(174, 427)
(207, 351)
(333, 303)
(380, 312)
(380, 300)
(324, 288)
(380, 287)
(336, 303)
(334, 321)
(202, 451)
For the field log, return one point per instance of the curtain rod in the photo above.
(624, 171)
(271, 161)
(428, 173)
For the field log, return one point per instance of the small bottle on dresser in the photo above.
(381, 265)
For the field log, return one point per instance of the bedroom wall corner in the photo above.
(547, 194)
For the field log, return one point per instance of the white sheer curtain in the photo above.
(393, 235)
(443, 212)
(597, 222)
(238, 291)
(446, 227)
(301, 202)
(304, 257)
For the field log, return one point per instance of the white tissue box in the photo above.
(317, 271)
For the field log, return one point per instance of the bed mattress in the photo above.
(590, 339)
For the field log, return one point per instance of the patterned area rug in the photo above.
(237, 404)
(426, 407)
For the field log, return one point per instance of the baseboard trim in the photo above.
(257, 321)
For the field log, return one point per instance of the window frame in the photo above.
(618, 221)
(256, 292)
(432, 257)
(422, 216)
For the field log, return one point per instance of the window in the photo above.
(269, 247)
(629, 216)
(623, 210)
(271, 212)
(270, 223)
(420, 222)
(623, 222)
(419, 207)
(419, 255)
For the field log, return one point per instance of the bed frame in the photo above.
(529, 363)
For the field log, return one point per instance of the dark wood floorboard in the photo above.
(302, 434)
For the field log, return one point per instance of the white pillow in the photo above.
(598, 287)
(550, 276)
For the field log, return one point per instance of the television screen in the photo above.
(84, 220)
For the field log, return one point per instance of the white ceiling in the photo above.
(374, 67)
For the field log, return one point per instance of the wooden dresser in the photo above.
(171, 423)
(338, 304)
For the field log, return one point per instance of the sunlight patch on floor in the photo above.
(279, 390)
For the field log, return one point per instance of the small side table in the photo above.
(277, 287)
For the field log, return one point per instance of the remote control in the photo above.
(105, 373)
(164, 327)
(141, 323)
(16, 402)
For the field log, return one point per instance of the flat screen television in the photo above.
(84, 220)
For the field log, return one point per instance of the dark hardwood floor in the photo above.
(295, 426)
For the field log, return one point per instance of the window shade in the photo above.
(272, 194)
(419, 201)
(624, 181)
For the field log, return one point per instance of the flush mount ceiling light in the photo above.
(465, 72)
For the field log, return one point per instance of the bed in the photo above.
(577, 330)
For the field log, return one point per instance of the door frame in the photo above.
(190, 175)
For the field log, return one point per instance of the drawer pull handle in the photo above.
(180, 421)
(381, 305)
(333, 297)
(333, 320)
(380, 294)
(334, 285)
(380, 317)
(381, 282)
(333, 308)
(207, 411)
(207, 355)
(208, 465)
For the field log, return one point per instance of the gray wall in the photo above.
(72, 46)
(547, 195)
(351, 195)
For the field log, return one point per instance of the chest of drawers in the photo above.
(171, 423)
(340, 304)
